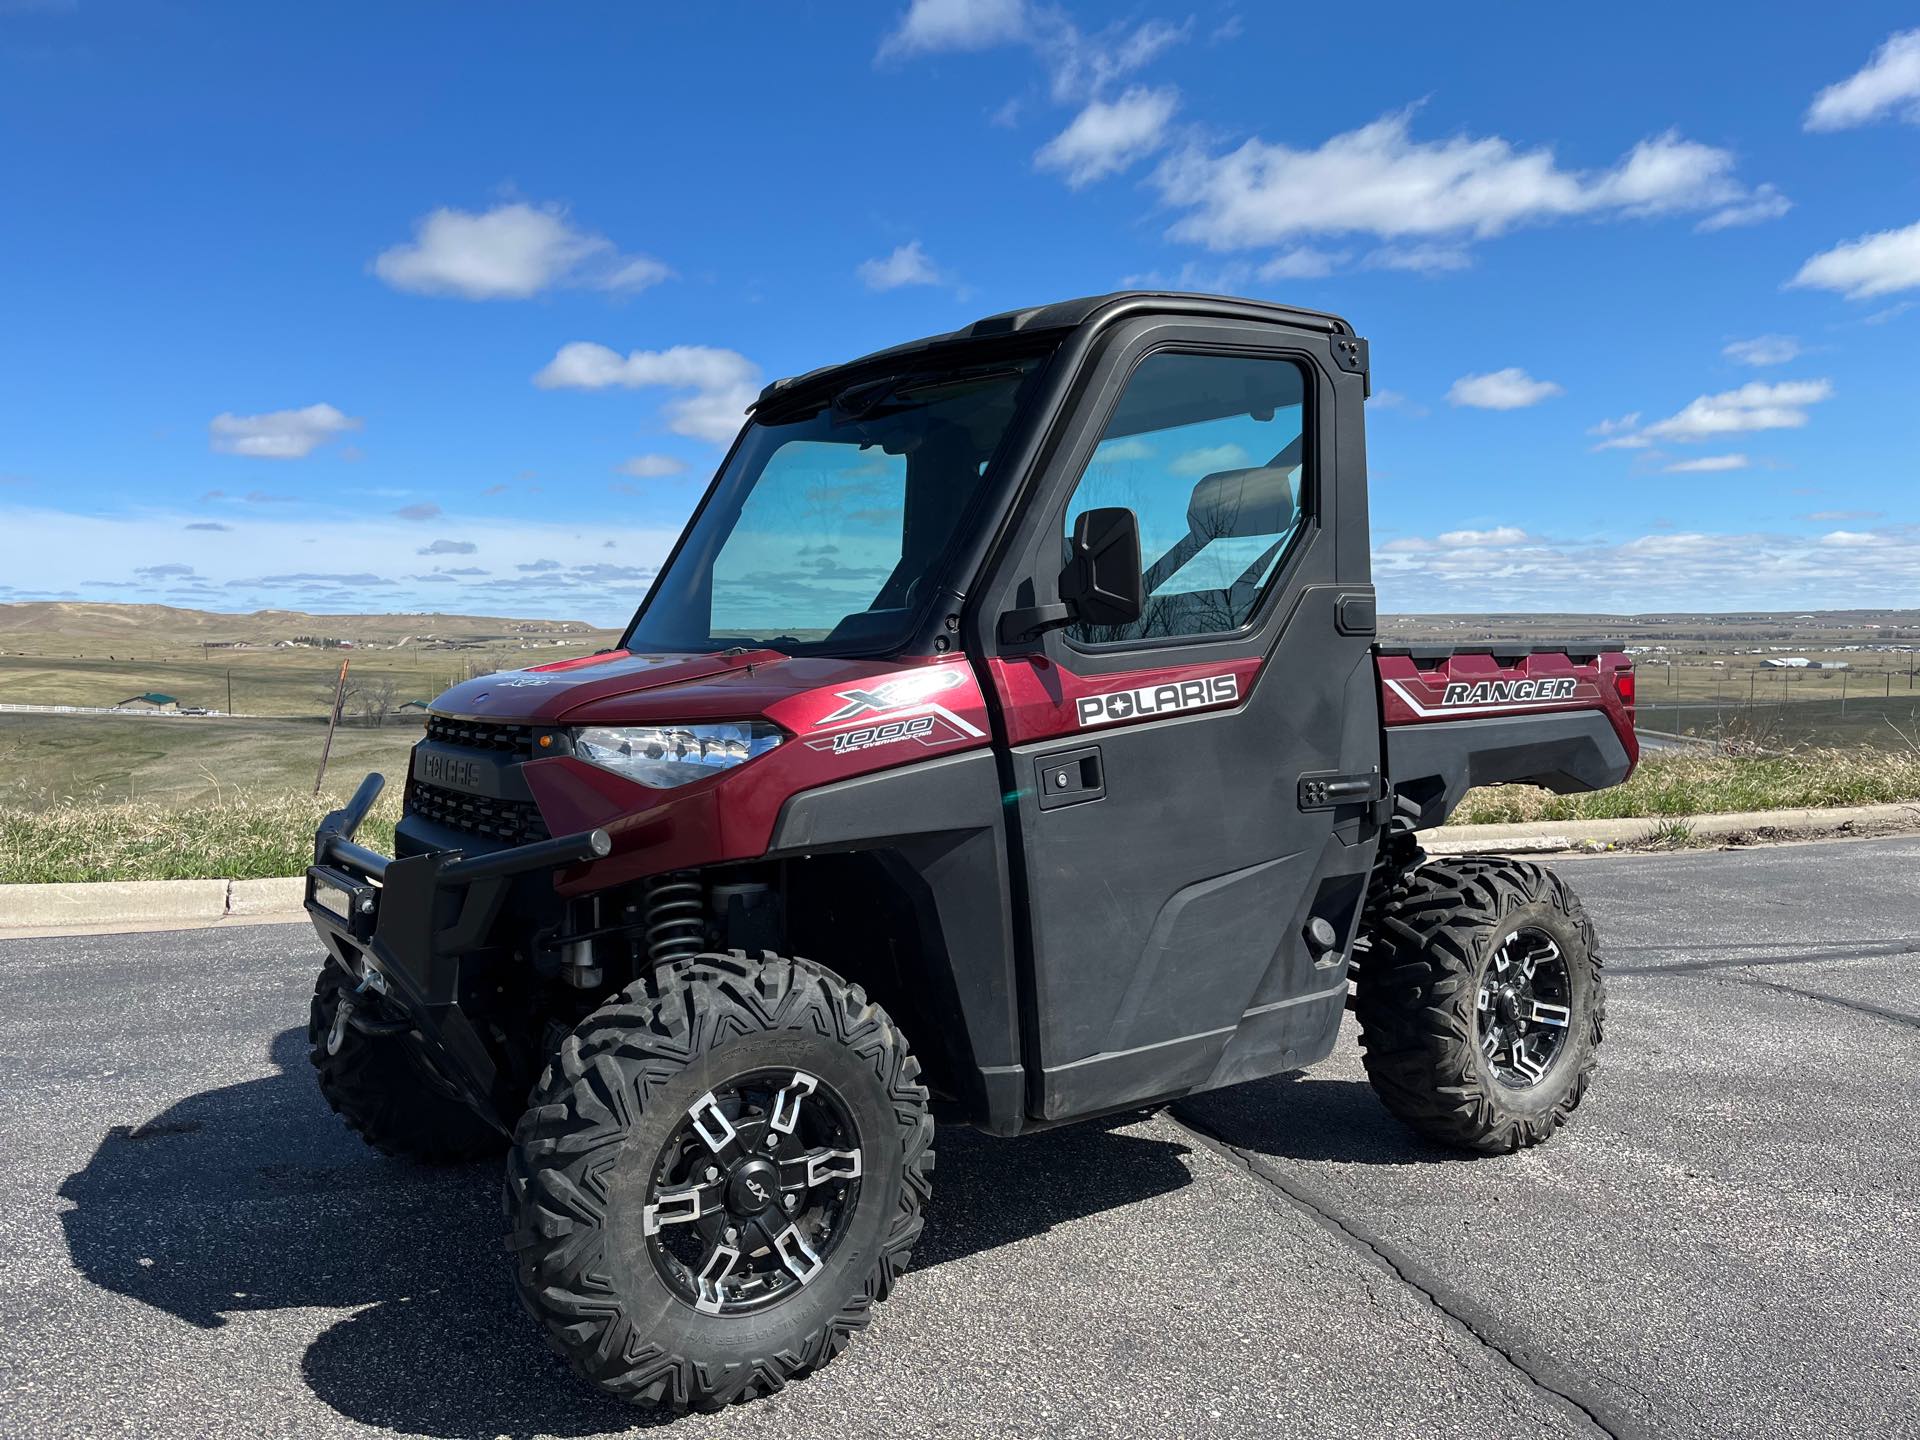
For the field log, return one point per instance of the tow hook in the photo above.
(338, 1032)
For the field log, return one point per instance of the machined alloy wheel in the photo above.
(719, 1175)
(1523, 1007)
(1480, 1000)
(753, 1192)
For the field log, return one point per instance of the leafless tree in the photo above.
(374, 699)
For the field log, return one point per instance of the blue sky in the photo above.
(454, 306)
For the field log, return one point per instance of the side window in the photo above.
(1207, 451)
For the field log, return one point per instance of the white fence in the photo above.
(110, 710)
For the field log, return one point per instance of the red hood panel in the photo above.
(801, 693)
(546, 693)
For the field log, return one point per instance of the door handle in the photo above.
(1070, 777)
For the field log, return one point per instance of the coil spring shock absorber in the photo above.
(676, 916)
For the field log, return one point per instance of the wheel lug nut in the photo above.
(773, 1142)
(712, 1174)
(792, 1201)
(732, 1235)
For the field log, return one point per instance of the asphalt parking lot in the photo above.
(1724, 1243)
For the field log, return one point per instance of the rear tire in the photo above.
(652, 1256)
(1481, 1002)
(382, 1087)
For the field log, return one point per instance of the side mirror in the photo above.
(1101, 584)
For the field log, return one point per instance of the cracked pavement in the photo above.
(1723, 1243)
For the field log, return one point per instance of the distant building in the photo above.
(1788, 662)
(152, 700)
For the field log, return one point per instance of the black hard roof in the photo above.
(1068, 314)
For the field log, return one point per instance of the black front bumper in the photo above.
(401, 928)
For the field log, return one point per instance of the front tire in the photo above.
(1481, 1002)
(719, 1174)
(384, 1089)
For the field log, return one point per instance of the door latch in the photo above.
(1331, 791)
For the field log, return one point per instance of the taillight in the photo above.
(1623, 686)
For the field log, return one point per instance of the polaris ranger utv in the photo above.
(1024, 680)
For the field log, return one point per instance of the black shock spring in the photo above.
(676, 916)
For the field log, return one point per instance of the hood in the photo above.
(624, 688)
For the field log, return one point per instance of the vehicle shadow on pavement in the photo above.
(252, 1197)
(1311, 1117)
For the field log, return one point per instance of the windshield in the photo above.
(829, 529)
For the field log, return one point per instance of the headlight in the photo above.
(664, 756)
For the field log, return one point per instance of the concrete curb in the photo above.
(1548, 837)
(149, 902)
(130, 904)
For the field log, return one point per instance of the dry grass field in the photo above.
(48, 760)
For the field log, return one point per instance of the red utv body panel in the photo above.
(840, 718)
(1479, 685)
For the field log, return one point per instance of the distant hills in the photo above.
(33, 623)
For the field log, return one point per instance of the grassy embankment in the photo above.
(117, 798)
(1673, 785)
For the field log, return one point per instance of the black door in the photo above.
(1173, 859)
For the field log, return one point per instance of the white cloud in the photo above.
(1085, 66)
(1762, 350)
(1109, 135)
(1508, 389)
(510, 252)
(1080, 66)
(1421, 259)
(1707, 465)
(1509, 569)
(1877, 264)
(1755, 406)
(279, 434)
(1615, 427)
(1303, 262)
(723, 382)
(1379, 180)
(907, 265)
(1765, 203)
(1888, 81)
(930, 26)
(652, 467)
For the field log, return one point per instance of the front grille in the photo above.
(516, 822)
(481, 735)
